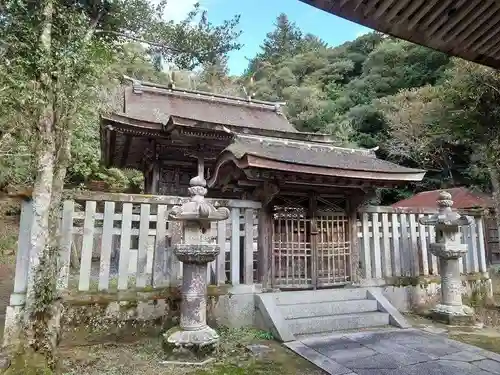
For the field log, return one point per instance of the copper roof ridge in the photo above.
(208, 97)
(286, 141)
(165, 89)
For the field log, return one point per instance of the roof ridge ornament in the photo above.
(308, 143)
(267, 104)
(137, 87)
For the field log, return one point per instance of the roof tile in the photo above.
(462, 198)
(314, 154)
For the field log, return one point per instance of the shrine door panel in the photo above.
(291, 247)
(310, 252)
(332, 249)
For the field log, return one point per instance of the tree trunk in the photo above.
(41, 322)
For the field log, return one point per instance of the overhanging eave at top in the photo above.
(467, 29)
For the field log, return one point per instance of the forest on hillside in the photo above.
(422, 108)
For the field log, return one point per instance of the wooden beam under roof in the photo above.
(126, 150)
(469, 29)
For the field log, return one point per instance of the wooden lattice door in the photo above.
(291, 245)
(310, 251)
(333, 249)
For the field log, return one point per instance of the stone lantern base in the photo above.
(460, 315)
(190, 347)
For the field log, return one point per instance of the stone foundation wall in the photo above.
(93, 317)
(100, 316)
(418, 294)
(96, 317)
(231, 306)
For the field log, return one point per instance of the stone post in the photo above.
(449, 250)
(193, 341)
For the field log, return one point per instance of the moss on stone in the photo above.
(139, 295)
(422, 281)
(28, 362)
(491, 343)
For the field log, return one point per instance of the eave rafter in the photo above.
(466, 28)
(227, 168)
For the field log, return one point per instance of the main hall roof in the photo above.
(157, 103)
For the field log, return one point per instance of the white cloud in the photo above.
(363, 31)
(177, 10)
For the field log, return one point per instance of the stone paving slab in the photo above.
(395, 352)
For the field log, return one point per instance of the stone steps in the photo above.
(324, 324)
(318, 309)
(323, 295)
(301, 313)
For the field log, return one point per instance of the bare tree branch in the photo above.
(149, 42)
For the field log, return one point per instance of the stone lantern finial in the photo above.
(444, 200)
(445, 215)
(449, 249)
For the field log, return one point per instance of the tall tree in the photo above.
(284, 41)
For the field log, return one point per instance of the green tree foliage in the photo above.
(284, 41)
(193, 46)
(118, 27)
(450, 128)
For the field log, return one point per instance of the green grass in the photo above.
(491, 343)
(144, 357)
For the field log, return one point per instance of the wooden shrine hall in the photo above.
(309, 189)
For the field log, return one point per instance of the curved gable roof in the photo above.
(314, 158)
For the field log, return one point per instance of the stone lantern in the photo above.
(449, 250)
(193, 341)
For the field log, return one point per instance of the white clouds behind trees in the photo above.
(177, 10)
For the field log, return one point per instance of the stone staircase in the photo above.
(292, 315)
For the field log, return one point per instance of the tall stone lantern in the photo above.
(193, 341)
(449, 250)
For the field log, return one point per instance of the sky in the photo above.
(258, 17)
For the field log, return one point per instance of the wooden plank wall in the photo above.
(125, 243)
(394, 244)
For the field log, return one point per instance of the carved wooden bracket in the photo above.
(362, 199)
(266, 192)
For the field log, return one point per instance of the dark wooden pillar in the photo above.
(264, 246)
(354, 202)
(155, 178)
(352, 213)
(151, 169)
(313, 232)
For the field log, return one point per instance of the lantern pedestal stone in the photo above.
(193, 341)
(449, 250)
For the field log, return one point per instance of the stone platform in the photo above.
(395, 352)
